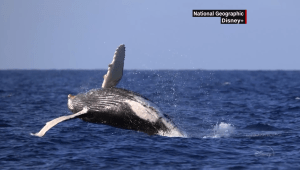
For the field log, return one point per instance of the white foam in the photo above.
(226, 83)
(222, 130)
(172, 133)
(297, 98)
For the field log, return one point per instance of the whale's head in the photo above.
(70, 102)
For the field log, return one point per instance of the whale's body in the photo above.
(117, 107)
(122, 109)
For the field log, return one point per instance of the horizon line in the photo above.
(152, 69)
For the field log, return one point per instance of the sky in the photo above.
(69, 34)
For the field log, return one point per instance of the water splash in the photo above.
(222, 130)
(173, 133)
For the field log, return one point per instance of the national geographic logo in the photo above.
(227, 16)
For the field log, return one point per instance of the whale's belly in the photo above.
(127, 115)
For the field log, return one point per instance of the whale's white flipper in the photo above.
(115, 68)
(54, 122)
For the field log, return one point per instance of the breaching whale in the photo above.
(117, 107)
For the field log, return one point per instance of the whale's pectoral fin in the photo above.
(54, 122)
(115, 69)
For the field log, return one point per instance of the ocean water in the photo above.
(232, 119)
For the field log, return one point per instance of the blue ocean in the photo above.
(232, 120)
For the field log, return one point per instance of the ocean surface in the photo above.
(232, 119)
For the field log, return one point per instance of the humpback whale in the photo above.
(117, 107)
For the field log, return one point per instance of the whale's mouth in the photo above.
(70, 103)
(70, 96)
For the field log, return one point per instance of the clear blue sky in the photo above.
(69, 34)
